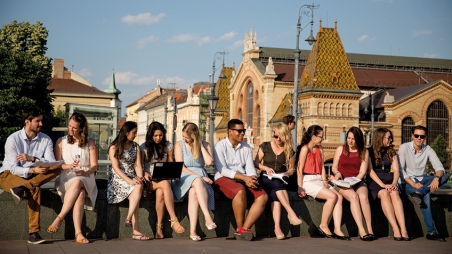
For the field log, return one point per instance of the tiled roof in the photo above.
(223, 90)
(146, 97)
(283, 109)
(75, 87)
(199, 86)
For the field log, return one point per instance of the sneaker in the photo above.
(35, 238)
(244, 234)
(435, 237)
(415, 198)
(18, 194)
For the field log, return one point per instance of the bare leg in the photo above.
(164, 187)
(193, 210)
(70, 197)
(283, 198)
(255, 211)
(134, 206)
(337, 214)
(202, 196)
(239, 207)
(363, 194)
(355, 208)
(388, 210)
(276, 211)
(398, 210)
(77, 215)
(330, 201)
(159, 205)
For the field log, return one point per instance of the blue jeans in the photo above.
(425, 193)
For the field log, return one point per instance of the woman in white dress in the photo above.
(157, 149)
(76, 184)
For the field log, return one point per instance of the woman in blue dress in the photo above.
(195, 153)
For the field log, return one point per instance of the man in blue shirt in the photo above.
(413, 157)
(236, 178)
(18, 175)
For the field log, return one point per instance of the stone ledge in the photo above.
(107, 220)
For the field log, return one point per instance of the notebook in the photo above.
(167, 170)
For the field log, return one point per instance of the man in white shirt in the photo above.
(236, 178)
(18, 175)
(413, 157)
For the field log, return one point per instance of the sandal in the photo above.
(159, 233)
(211, 226)
(141, 237)
(180, 229)
(81, 241)
(128, 223)
(195, 238)
(52, 229)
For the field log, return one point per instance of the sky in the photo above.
(176, 41)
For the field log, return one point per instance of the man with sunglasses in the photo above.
(418, 185)
(18, 175)
(236, 178)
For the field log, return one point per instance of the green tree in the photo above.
(25, 74)
(440, 147)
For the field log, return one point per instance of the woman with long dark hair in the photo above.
(384, 174)
(157, 149)
(76, 184)
(351, 160)
(126, 178)
(312, 181)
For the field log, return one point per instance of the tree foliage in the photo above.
(25, 74)
(440, 147)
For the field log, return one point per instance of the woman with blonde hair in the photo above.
(312, 181)
(76, 184)
(194, 181)
(277, 157)
(384, 174)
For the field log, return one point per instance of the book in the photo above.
(347, 182)
(46, 164)
(279, 176)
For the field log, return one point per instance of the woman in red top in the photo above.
(351, 160)
(312, 181)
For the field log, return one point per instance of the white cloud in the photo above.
(428, 55)
(419, 33)
(85, 73)
(366, 37)
(130, 78)
(227, 36)
(144, 41)
(183, 38)
(204, 40)
(237, 44)
(142, 19)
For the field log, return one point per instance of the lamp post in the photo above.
(372, 116)
(297, 51)
(174, 119)
(213, 99)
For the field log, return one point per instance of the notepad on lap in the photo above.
(167, 170)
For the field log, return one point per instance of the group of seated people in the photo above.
(248, 182)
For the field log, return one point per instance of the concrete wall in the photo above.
(107, 220)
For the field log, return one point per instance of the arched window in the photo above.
(331, 109)
(240, 114)
(319, 109)
(338, 109)
(249, 105)
(344, 110)
(407, 124)
(349, 109)
(325, 109)
(437, 121)
(258, 121)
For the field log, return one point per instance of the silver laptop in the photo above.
(167, 170)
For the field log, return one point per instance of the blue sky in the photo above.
(175, 41)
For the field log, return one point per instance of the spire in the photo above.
(112, 88)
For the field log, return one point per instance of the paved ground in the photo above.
(230, 246)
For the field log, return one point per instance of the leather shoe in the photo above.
(435, 237)
(398, 238)
(323, 233)
(406, 238)
(341, 237)
(18, 193)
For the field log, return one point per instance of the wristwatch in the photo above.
(34, 159)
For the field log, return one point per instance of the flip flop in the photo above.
(142, 237)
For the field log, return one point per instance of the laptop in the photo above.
(167, 170)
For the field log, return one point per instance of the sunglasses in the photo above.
(34, 112)
(276, 136)
(390, 138)
(78, 116)
(239, 130)
(419, 136)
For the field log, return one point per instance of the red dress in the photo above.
(349, 165)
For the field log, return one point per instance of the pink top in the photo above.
(349, 165)
(313, 163)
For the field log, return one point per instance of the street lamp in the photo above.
(310, 40)
(174, 118)
(212, 98)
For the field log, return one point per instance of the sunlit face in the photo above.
(421, 136)
(351, 140)
(387, 139)
(73, 128)
(132, 134)
(34, 125)
(237, 133)
(318, 138)
(277, 138)
(158, 136)
(187, 139)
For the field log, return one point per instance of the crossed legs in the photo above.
(164, 198)
(283, 198)
(197, 197)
